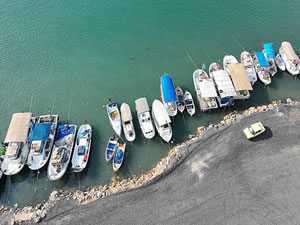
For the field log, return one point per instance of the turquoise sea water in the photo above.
(69, 57)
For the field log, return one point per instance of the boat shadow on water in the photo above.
(264, 136)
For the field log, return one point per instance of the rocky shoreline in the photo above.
(36, 214)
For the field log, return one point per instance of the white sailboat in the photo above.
(247, 61)
(127, 123)
(289, 57)
(114, 117)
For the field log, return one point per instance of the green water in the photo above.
(69, 57)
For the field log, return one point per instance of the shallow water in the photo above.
(70, 57)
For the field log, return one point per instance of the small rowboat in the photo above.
(119, 157)
(111, 148)
(189, 103)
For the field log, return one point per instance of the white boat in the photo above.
(114, 117)
(189, 103)
(144, 117)
(40, 140)
(119, 157)
(127, 123)
(62, 151)
(289, 57)
(16, 144)
(279, 62)
(205, 90)
(270, 56)
(162, 120)
(168, 94)
(223, 85)
(260, 64)
(247, 60)
(82, 148)
(229, 59)
(180, 102)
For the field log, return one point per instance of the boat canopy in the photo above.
(261, 59)
(39, 132)
(64, 130)
(269, 49)
(141, 105)
(18, 128)
(125, 112)
(160, 113)
(207, 88)
(289, 51)
(239, 77)
(168, 89)
(224, 83)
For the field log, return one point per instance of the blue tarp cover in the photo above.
(269, 49)
(81, 150)
(64, 130)
(168, 88)
(118, 157)
(39, 132)
(261, 59)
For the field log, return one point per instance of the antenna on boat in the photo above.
(190, 58)
(238, 43)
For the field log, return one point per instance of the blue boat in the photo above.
(270, 55)
(168, 94)
(111, 148)
(119, 157)
(269, 50)
(261, 66)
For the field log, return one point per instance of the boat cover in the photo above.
(160, 113)
(81, 150)
(168, 89)
(118, 156)
(125, 113)
(207, 88)
(239, 77)
(224, 83)
(39, 132)
(64, 130)
(141, 105)
(18, 128)
(269, 49)
(289, 51)
(261, 59)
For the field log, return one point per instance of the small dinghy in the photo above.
(144, 117)
(247, 61)
(189, 103)
(111, 148)
(62, 151)
(289, 57)
(260, 64)
(270, 56)
(82, 148)
(119, 157)
(279, 62)
(127, 123)
(114, 117)
(180, 102)
(168, 94)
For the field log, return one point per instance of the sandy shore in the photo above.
(59, 201)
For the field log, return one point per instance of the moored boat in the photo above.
(168, 94)
(144, 117)
(270, 56)
(62, 151)
(229, 59)
(40, 140)
(127, 123)
(180, 102)
(189, 103)
(205, 90)
(114, 117)
(279, 62)
(111, 148)
(82, 148)
(162, 120)
(261, 64)
(247, 61)
(119, 157)
(289, 57)
(15, 143)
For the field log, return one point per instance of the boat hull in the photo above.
(247, 61)
(114, 117)
(117, 163)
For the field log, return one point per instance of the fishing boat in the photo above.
(189, 103)
(205, 90)
(114, 117)
(247, 61)
(168, 94)
(111, 148)
(223, 85)
(144, 117)
(229, 59)
(127, 122)
(40, 140)
(62, 151)
(15, 143)
(270, 56)
(82, 148)
(162, 120)
(261, 64)
(180, 102)
(279, 62)
(289, 57)
(119, 157)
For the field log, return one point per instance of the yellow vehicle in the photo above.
(254, 130)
